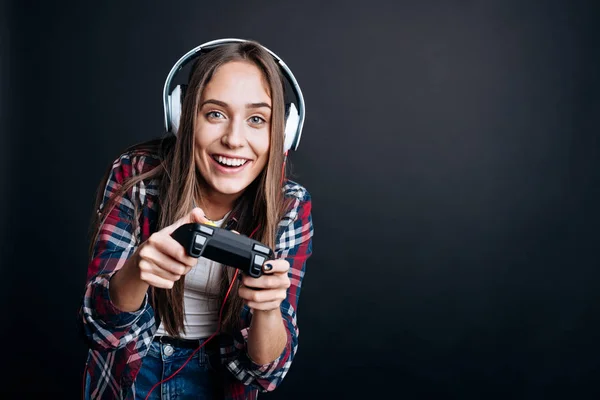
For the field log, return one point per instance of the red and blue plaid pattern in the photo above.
(119, 340)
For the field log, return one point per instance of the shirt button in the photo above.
(168, 350)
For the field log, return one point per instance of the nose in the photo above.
(234, 135)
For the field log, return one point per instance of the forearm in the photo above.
(127, 290)
(267, 336)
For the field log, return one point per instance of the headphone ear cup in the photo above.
(175, 102)
(291, 127)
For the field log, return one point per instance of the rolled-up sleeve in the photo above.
(294, 243)
(104, 325)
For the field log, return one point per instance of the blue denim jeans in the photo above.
(197, 380)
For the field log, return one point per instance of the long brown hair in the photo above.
(260, 207)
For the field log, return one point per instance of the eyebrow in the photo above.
(225, 105)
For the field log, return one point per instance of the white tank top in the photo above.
(200, 298)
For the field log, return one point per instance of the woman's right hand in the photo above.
(161, 260)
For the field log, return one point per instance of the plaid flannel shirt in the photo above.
(118, 341)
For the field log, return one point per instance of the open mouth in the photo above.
(229, 162)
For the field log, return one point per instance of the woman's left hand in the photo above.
(268, 291)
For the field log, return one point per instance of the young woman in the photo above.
(162, 324)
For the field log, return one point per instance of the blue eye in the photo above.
(214, 114)
(257, 120)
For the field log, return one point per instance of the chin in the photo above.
(230, 188)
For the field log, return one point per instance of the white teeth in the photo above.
(232, 162)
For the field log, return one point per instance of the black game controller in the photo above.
(223, 246)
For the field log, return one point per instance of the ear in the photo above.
(291, 127)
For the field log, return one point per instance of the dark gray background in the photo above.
(451, 149)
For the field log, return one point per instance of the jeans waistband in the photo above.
(183, 343)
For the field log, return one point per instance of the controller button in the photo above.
(200, 240)
(261, 249)
(259, 260)
(207, 230)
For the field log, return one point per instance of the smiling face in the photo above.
(232, 129)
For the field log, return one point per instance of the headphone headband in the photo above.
(192, 54)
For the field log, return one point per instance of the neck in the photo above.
(216, 205)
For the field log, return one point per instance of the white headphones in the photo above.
(294, 120)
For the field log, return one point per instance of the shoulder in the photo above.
(137, 159)
(125, 182)
(295, 191)
(296, 226)
(298, 202)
